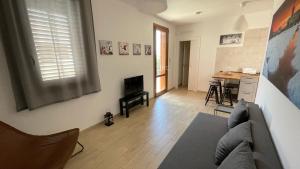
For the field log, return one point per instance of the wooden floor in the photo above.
(143, 140)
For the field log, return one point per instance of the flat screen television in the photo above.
(134, 85)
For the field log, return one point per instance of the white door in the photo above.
(194, 65)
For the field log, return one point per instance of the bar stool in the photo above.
(214, 87)
(228, 95)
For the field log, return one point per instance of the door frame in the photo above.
(164, 29)
(177, 48)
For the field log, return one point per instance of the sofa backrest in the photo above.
(264, 151)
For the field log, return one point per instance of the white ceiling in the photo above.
(183, 11)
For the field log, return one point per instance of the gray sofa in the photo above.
(196, 147)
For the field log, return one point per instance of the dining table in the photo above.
(232, 75)
(246, 87)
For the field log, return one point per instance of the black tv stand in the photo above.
(128, 102)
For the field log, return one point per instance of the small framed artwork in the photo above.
(148, 50)
(136, 49)
(231, 39)
(106, 47)
(123, 48)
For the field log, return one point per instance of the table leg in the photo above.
(142, 100)
(127, 111)
(121, 107)
(147, 97)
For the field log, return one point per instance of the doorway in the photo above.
(161, 41)
(184, 63)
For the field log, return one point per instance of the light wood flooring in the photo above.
(143, 140)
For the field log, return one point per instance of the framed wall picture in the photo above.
(137, 48)
(148, 50)
(282, 63)
(123, 48)
(106, 47)
(231, 39)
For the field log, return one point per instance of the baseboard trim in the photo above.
(102, 122)
(171, 89)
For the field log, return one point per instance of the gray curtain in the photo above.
(29, 89)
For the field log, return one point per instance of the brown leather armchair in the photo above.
(19, 150)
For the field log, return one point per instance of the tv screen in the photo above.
(134, 85)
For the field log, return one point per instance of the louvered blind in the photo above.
(53, 42)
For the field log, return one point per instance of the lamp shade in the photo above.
(241, 24)
(152, 6)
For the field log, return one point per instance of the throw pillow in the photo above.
(239, 115)
(240, 158)
(232, 139)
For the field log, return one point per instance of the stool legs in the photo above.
(213, 90)
(216, 95)
(230, 98)
(208, 93)
(228, 94)
(221, 92)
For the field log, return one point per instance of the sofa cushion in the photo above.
(196, 147)
(239, 115)
(240, 158)
(231, 140)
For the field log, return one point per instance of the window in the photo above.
(53, 35)
(50, 50)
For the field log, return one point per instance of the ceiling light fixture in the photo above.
(245, 3)
(242, 23)
(152, 6)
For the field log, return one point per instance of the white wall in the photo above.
(283, 119)
(209, 32)
(114, 21)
